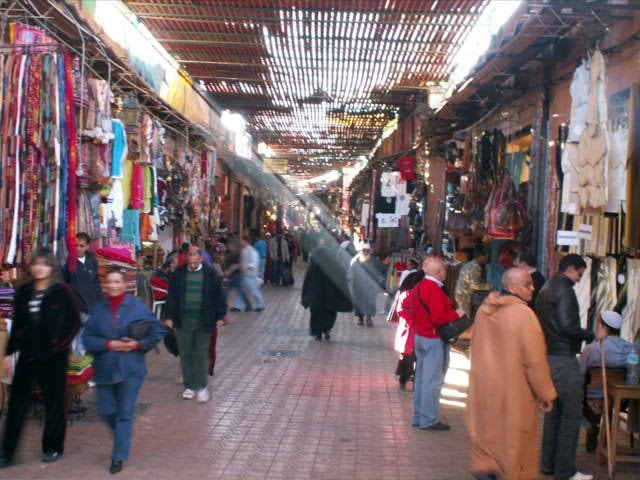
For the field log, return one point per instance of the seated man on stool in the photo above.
(615, 350)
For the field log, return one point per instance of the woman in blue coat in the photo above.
(119, 360)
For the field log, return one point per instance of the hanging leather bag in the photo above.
(506, 214)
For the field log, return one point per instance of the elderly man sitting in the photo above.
(615, 353)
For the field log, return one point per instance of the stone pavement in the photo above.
(283, 407)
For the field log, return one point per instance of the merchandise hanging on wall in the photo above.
(38, 152)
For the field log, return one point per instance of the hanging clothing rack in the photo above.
(111, 64)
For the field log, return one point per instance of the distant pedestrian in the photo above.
(232, 270)
(413, 265)
(195, 306)
(182, 255)
(559, 314)
(510, 381)
(280, 257)
(119, 359)
(471, 279)
(325, 291)
(250, 281)
(46, 320)
(432, 309)
(262, 247)
(365, 275)
(528, 262)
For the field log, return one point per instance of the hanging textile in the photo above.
(592, 148)
(407, 167)
(98, 124)
(605, 296)
(583, 294)
(632, 232)
(119, 152)
(38, 144)
(137, 187)
(131, 228)
(617, 191)
(631, 312)
(73, 161)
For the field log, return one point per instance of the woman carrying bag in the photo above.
(46, 321)
(120, 329)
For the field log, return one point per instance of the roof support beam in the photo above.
(160, 32)
(225, 19)
(200, 8)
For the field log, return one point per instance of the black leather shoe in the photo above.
(327, 336)
(318, 338)
(437, 427)
(50, 457)
(4, 461)
(116, 466)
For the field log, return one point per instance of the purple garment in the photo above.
(206, 258)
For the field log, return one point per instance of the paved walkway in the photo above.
(283, 407)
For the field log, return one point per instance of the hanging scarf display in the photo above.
(73, 162)
(31, 155)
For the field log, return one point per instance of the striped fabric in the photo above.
(193, 290)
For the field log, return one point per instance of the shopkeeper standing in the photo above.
(85, 280)
(46, 320)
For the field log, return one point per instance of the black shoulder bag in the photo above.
(449, 332)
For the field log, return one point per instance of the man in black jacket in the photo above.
(559, 313)
(196, 305)
(85, 281)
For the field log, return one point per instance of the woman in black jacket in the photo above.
(325, 290)
(46, 321)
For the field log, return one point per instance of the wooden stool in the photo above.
(618, 392)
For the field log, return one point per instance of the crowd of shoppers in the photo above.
(525, 344)
(524, 360)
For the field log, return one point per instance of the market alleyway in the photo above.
(283, 406)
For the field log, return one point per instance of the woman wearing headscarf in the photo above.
(46, 320)
(325, 291)
(119, 358)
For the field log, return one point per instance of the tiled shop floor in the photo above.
(283, 406)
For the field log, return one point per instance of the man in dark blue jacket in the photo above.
(196, 305)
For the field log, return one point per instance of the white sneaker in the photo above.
(581, 476)
(188, 394)
(203, 395)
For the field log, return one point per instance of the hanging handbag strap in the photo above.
(426, 307)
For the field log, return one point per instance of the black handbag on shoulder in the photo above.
(449, 332)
